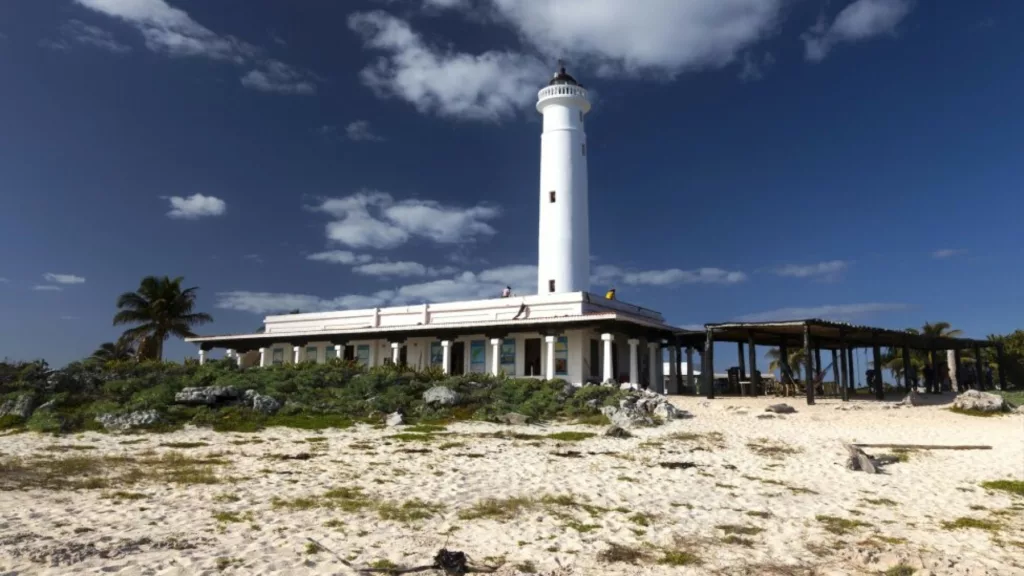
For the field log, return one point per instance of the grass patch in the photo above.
(228, 517)
(679, 558)
(594, 420)
(226, 498)
(408, 511)
(581, 527)
(837, 525)
(97, 472)
(122, 495)
(738, 541)
(772, 448)
(641, 519)
(1015, 487)
(68, 448)
(497, 508)
(620, 554)
(424, 429)
(383, 564)
(450, 445)
(313, 548)
(738, 529)
(183, 445)
(976, 413)
(977, 523)
(900, 569)
(759, 514)
(570, 436)
(710, 441)
(528, 567)
(880, 502)
(316, 439)
(409, 437)
(132, 441)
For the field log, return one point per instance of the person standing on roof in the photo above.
(506, 292)
(610, 294)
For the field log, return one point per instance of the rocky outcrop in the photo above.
(642, 409)
(124, 422)
(514, 418)
(781, 409)
(207, 396)
(977, 401)
(911, 399)
(441, 396)
(261, 402)
(20, 406)
(394, 419)
(617, 432)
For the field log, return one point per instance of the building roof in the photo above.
(563, 77)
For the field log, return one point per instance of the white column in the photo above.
(549, 368)
(446, 356)
(657, 385)
(495, 355)
(338, 351)
(229, 353)
(673, 370)
(263, 357)
(634, 370)
(295, 354)
(396, 352)
(202, 356)
(238, 359)
(607, 374)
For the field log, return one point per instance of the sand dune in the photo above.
(762, 496)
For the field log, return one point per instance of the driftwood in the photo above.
(924, 446)
(449, 562)
(859, 460)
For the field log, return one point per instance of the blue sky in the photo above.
(749, 159)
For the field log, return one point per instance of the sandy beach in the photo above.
(740, 495)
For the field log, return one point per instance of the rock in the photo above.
(20, 406)
(394, 419)
(912, 399)
(47, 406)
(617, 432)
(781, 409)
(848, 407)
(261, 402)
(626, 417)
(977, 401)
(666, 412)
(593, 403)
(208, 395)
(123, 422)
(441, 396)
(568, 390)
(514, 418)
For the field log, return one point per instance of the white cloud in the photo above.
(82, 33)
(46, 288)
(196, 206)
(276, 76)
(487, 86)
(63, 278)
(373, 219)
(753, 68)
(402, 269)
(660, 36)
(339, 257)
(464, 286)
(822, 270)
(255, 258)
(4, 280)
(446, 4)
(607, 274)
(860, 20)
(359, 131)
(948, 253)
(842, 312)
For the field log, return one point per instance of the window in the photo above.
(584, 148)
(363, 354)
(436, 354)
(310, 353)
(551, 196)
(595, 359)
(508, 356)
(551, 285)
(478, 356)
(277, 358)
(330, 353)
(562, 356)
(581, 116)
(349, 353)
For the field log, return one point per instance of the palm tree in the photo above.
(797, 360)
(114, 351)
(945, 330)
(161, 309)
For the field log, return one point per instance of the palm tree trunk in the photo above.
(951, 368)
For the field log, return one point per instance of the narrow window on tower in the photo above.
(584, 148)
(551, 196)
(581, 116)
(551, 285)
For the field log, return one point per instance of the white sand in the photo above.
(686, 505)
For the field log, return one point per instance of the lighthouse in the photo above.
(563, 248)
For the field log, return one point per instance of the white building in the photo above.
(562, 332)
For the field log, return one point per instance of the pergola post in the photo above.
(844, 372)
(690, 382)
(755, 376)
(817, 361)
(835, 368)
(263, 357)
(202, 356)
(446, 356)
(936, 387)
(742, 362)
(978, 364)
(634, 369)
(958, 382)
(1000, 359)
(606, 375)
(907, 369)
(495, 356)
(296, 350)
(851, 382)
(876, 351)
(784, 368)
(809, 378)
(549, 366)
(652, 368)
(709, 363)
(673, 370)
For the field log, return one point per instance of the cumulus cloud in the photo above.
(859, 21)
(339, 257)
(4, 280)
(196, 206)
(403, 268)
(374, 219)
(464, 286)
(276, 76)
(487, 86)
(607, 274)
(840, 312)
(830, 270)
(78, 32)
(63, 278)
(46, 288)
(946, 253)
(359, 131)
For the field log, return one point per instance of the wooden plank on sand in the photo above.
(924, 446)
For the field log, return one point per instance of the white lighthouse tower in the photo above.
(563, 250)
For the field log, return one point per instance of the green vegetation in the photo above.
(183, 445)
(880, 501)
(837, 525)
(618, 553)
(737, 529)
(1015, 487)
(497, 509)
(900, 570)
(570, 436)
(759, 514)
(978, 523)
(100, 472)
(408, 511)
(772, 448)
(679, 558)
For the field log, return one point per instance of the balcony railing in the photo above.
(561, 90)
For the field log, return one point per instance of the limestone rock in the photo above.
(617, 432)
(912, 399)
(261, 402)
(666, 412)
(627, 417)
(441, 396)
(207, 395)
(20, 406)
(123, 422)
(781, 409)
(514, 418)
(394, 419)
(977, 401)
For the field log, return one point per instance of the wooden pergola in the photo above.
(815, 335)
